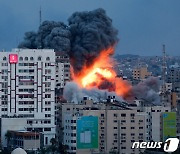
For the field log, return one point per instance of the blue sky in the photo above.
(143, 25)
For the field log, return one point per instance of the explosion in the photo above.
(100, 74)
(89, 40)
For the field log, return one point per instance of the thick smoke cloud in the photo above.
(51, 35)
(73, 93)
(83, 39)
(85, 36)
(91, 33)
(148, 91)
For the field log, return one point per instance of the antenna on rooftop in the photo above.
(163, 91)
(164, 67)
(40, 16)
(40, 21)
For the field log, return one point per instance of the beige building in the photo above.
(140, 73)
(118, 127)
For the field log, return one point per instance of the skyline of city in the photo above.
(143, 26)
(89, 77)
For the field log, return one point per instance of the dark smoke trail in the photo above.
(91, 32)
(87, 34)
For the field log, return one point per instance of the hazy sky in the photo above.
(144, 25)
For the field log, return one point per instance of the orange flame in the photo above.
(101, 75)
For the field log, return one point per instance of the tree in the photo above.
(8, 136)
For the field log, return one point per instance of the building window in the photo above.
(102, 115)
(46, 140)
(39, 58)
(47, 115)
(47, 58)
(4, 58)
(47, 95)
(47, 129)
(123, 115)
(47, 109)
(31, 58)
(20, 58)
(132, 114)
(73, 127)
(26, 58)
(73, 141)
(4, 109)
(47, 102)
(115, 115)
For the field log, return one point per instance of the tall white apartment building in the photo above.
(27, 85)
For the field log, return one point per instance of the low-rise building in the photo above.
(24, 139)
(140, 73)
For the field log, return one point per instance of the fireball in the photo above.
(101, 75)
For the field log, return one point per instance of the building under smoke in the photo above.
(88, 36)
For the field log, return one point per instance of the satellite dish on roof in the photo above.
(18, 151)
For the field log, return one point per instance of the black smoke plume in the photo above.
(91, 33)
(51, 35)
(83, 39)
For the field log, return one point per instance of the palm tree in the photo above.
(63, 148)
(53, 147)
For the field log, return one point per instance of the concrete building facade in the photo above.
(140, 73)
(118, 128)
(27, 88)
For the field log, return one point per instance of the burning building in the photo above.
(90, 40)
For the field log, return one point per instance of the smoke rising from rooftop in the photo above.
(73, 93)
(91, 32)
(87, 34)
(148, 90)
(86, 39)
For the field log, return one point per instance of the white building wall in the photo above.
(29, 88)
(154, 121)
